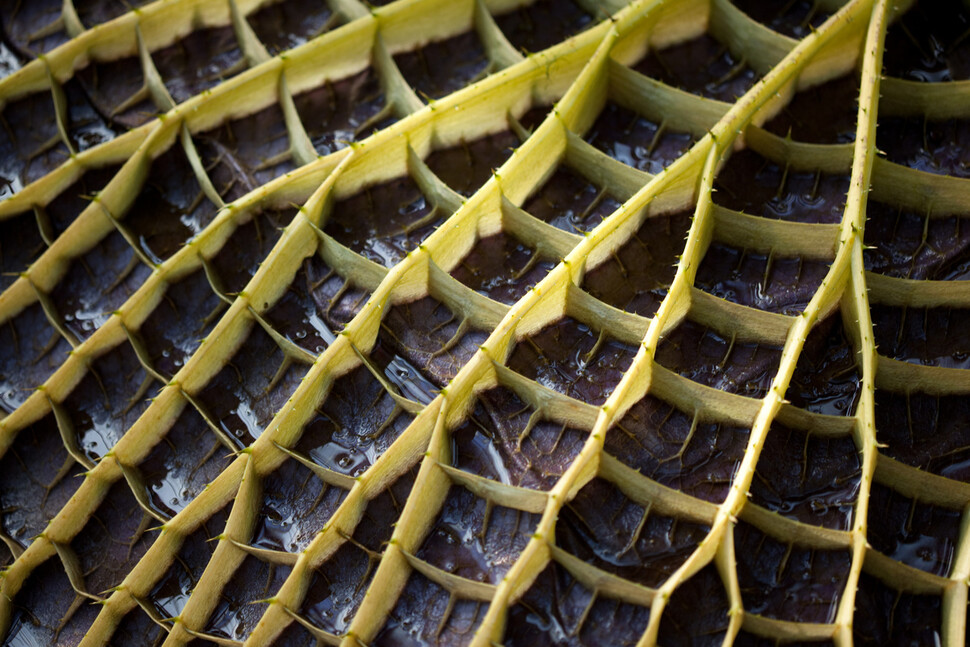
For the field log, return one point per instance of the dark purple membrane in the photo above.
(656, 439)
(810, 478)
(384, 222)
(495, 442)
(926, 431)
(767, 282)
(605, 528)
(566, 356)
(341, 112)
(558, 610)
(909, 245)
(570, 202)
(757, 186)
(927, 336)
(637, 276)
(913, 532)
(441, 67)
(703, 66)
(543, 23)
(933, 146)
(502, 268)
(826, 378)
(885, 616)
(466, 167)
(636, 141)
(712, 359)
(929, 43)
(788, 582)
(795, 18)
(823, 114)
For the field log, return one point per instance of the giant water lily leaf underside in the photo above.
(584, 322)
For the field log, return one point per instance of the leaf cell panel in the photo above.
(796, 19)
(809, 478)
(607, 529)
(908, 245)
(570, 202)
(245, 153)
(794, 583)
(244, 598)
(822, 114)
(573, 358)
(243, 397)
(82, 299)
(239, 258)
(696, 456)
(37, 477)
(30, 143)
(538, 25)
(355, 424)
(467, 166)
(337, 588)
(444, 66)
(636, 141)
(757, 186)
(295, 507)
(507, 440)
(113, 541)
(185, 315)
(928, 43)
(769, 282)
(45, 613)
(384, 222)
(925, 336)
(913, 532)
(199, 61)
(31, 349)
(170, 209)
(428, 614)
(558, 610)
(885, 616)
(284, 25)
(183, 463)
(429, 336)
(109, 398)
(30, 27)
(339, 584)
(343, 111)
(138, 629)
(687, 624)
(69, 203)
(637, 276)
(176, 583)
(702, 66)
(721, 361)
(930, 432)
(827, 378)
(474, 539)
(295, 635)
(21, 244)
(939, 147)
(502, 268)
(336, 298)
(117, 91)
(300, 317)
